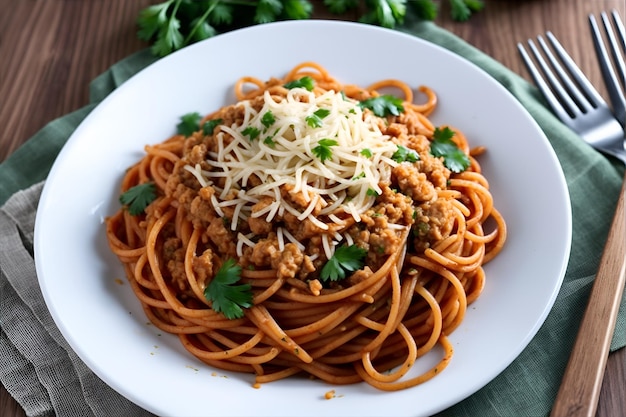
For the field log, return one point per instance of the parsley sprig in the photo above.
(385, 105)
(315, 119)
(322, 150)
(442, 145)
(189, 123)
(226, 296)
(137, 198)
(345, 259)
(173, 24)
(305, 82)
(403, 154)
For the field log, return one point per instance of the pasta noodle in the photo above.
(277, 183)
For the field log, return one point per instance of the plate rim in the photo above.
(112, 97)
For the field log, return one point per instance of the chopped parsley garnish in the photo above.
(345, 259)
(189, 123)
(269, 141)
(322, 150)
(252, 132)
(209, 126)
(137, 198)
(268, 119)
(305, 82)
(403, 154)
(384, 105)
(443, 146)
(372, 192)
(315, 120)
(226, 297)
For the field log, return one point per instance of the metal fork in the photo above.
(581, 108)
(612, 74)
(573, 98)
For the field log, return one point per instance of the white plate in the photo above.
(104, 323)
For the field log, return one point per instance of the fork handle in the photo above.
(580, 388)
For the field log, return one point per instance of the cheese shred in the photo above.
(324, 150)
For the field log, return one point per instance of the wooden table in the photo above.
(51, 49)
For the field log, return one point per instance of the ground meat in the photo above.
(306, 268)
(301, 230)
(258, 225)
(298, 199)
(263, 251)
(383, 242)
(396, 207)
(201, 211)
(434, 221)
(287, 263)
(174, 259)
(441, 219)
(315, 286)
(197, 154)
(222, 238)
(414, 183)
(360, 275)
(203, 266)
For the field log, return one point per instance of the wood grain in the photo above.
(580, 388)
(50, 50)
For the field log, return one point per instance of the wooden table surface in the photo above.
(51, 49)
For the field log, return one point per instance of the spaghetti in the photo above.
(277, 184)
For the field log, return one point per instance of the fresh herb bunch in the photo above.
(173, 24)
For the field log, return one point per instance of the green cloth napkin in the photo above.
(526, 388)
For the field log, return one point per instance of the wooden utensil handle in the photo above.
(580, 388)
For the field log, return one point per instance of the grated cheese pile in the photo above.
(282, 153)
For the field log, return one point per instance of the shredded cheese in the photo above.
(282, 155)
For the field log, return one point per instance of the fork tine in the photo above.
(608, 72)
(619, 58)
(552, 100)
(590, 92)
(582, 101)
(619, 26)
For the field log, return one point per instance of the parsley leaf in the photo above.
(189, 123)
(384, 105)
(267, 11)
(137, 198)
(209, 126)
(425, 9)
(442, 145)
(298, 9)
(405, 154)
(346, 259)
(252, 132)
(305, 82)
(269, 141)
(268, 119)
(386, 13)
(371, 192)
(226, 297)
(156, 22)
(151, 19)
(315, 120)
(461, 10)
(340, 6)
(322, 150)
